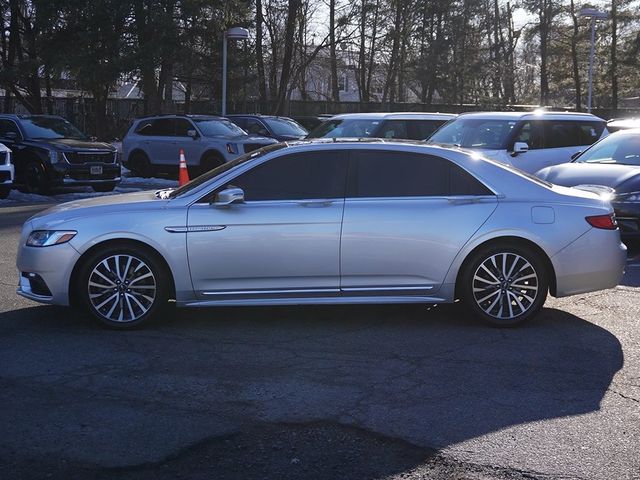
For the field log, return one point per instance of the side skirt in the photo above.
(343, 300)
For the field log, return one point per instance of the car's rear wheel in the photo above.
(140, 165)
(505, 285)
(123, 286)
(104, 187)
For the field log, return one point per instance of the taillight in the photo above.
(606, 222)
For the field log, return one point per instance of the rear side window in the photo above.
(571, 133)
(182, 126)
(422, 129)
(163, 127)
(406, 174)
(312, 175)
(393, 129)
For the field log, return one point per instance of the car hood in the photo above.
(71, 144)
(619, 177)
(89, 207)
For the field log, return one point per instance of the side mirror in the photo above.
(264, 132)
(13, 136)
(576, 155)
(93, 138)
(519, 147)
(229, 196)
(192, 133)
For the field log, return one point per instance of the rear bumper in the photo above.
(595, 261)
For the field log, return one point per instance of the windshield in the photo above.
(285, 126)
(225, 167)
(218, 127)
(350, 127)
(622, 149)
(475, 133)
(50, 128)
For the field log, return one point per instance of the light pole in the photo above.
(235, 33)
(593, 14)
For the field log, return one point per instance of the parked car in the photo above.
(309, 122)
(613, 162)
(280, 128)
(317, 223)
(616, 124)
(6, 171)
(152, 144)
(49, 152)
(527, 140)
(409, 126)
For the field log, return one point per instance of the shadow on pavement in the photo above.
(348, 392)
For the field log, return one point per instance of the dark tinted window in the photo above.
(163, 127)
(531, 133)
(181, 126)
(7, 126)
(570, 133)
(297, 176)
(393, 129)
(404, 174)
(423, 129)
(145, 127)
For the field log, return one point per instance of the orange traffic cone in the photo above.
(183, 173)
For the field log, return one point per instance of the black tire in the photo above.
(140, 165)
(104, 187)
(210, 161)
(130, 299)
(36, 179)
(504, 285)
(4, 192)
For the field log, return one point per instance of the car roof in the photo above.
(256, 115)
(179, 115)
(539, 114)
(395, 116)
(28, 115)
(624, 123)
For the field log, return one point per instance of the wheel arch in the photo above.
(73, 293)
(512, 240)
(134, 151)
(212, 152)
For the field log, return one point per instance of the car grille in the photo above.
(250, 147)
(78, 158)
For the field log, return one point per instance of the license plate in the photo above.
(96, 170)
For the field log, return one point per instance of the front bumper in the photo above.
(69, 174)
(53, 265)
(595, 261)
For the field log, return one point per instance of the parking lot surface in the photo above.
(319, 392)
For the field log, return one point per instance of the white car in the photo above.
(529, 141)
(404, 125)
(7, 172)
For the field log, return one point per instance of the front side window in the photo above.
(531, 133)
(393, 129)
(163, 127)
(182, 126)
(285, 126)
(475, 133)
(297, 176)
(407, 174)
(345, 128)
(50, 128)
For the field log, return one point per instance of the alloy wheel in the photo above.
(122, 288)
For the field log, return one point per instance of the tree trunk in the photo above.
(290, 27)
(262, 86)
(574, 57)
(614, 56)
(333, 61)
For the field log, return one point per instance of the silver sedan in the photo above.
(327, 222)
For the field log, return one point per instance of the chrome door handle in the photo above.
(462, 200)
(315, 203)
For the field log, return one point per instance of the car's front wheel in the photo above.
(123, 286)
(505, 285)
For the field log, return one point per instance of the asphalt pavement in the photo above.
(354, 392)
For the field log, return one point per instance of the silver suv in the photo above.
(6, 171)
(152, 144)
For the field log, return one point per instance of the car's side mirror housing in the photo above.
(264, 132)
(519, 147)
(192, 133)
(576, 155)
(229, 196)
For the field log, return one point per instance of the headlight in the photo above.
(232, 148)
(53, 156)
(631, 197)
(46, 238)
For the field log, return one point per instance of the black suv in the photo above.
(280, 128)
(50, 152)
